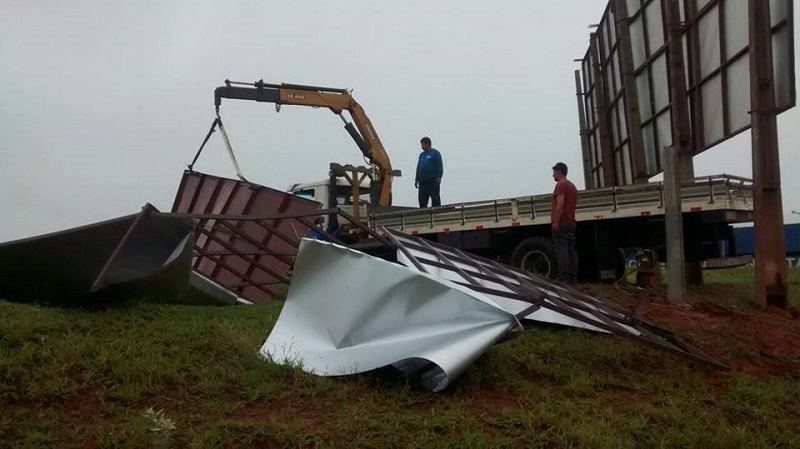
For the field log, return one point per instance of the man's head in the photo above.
(560, 171)
(425, 143)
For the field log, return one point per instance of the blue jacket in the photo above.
(429, 165)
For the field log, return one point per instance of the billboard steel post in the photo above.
(673, 219)
(681, 127)
(770, 258)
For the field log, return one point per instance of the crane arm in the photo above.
(337, 100)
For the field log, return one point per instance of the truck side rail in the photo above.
(720, 192)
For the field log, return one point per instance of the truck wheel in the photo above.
(536, 255)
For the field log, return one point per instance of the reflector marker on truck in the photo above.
(696, 209)
(645, 213)
(479, 228)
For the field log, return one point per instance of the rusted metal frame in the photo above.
(495, 269)
(791, 59)
(224, 265)
(254, 284)
(608, 156)
(559, 301)
(265, 241)
(602, 114)
(617, 328)
(525, 280)
(260, 245)
(490, 291)
(255, 253)
(497, 272)
(520, 315)
(232, 217)
(649, 74)
(692, 19)
(611, 96)
(723, 74)
(357, 223)
(404, 245)
(449, 263)
(250, 259)
(646, 337)
(591, 113)
(547, 302)
(538, 300)
(615, 105)
(631, 94)
(324, 233)
(202, 180)
(597, 154)
(269, 228)
(407, 253)
(482, 269)
(210, 207)
(147, 210)
(694, 81)
(582, 131)
(676, 73)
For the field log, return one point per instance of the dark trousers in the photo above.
(429, 189)
(566, 254)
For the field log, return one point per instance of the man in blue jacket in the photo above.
(429, 174)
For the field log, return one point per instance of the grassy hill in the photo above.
(147, 375)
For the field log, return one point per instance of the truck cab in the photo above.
(320, 191)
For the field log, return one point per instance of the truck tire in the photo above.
(536, 255)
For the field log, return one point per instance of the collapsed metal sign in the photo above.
(431, 314)
(347, 312)
(533, 297)
(249, 257)
(143, 254)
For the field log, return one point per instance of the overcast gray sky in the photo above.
(104, 103)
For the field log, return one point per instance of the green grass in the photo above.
(735, 287)
(190, 376)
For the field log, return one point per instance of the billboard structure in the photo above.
(625, 82)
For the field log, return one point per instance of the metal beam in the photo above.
(771, 282)
(602, 116)
(634, 123)
(676, 72)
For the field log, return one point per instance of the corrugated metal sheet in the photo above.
(251, 258)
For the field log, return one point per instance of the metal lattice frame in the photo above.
(534, 293)
(716, 54)
(249, 243)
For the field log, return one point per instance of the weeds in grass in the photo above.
(108, 377)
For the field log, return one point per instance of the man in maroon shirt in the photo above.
(562, 224)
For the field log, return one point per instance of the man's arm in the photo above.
(416, 179)
(440, 166)
(556, 217)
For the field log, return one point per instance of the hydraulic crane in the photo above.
(337, 100)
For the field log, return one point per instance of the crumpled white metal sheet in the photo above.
(533, 297)
(347, 312)
(587, 314)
